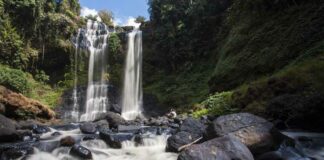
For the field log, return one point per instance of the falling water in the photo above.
(132, 93)
(75, 110)
(96, 35)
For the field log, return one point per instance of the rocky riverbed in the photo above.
(237, 136)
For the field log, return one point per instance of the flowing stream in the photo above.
(152, 148)
(132, 92)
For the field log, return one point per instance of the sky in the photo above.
(124, 10)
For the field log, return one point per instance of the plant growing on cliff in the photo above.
(217, 104)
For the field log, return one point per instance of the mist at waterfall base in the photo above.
(132, 92)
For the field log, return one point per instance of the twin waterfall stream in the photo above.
(94, 41)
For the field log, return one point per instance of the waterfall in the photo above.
(132, 91)
(75, 109)
(96, 35)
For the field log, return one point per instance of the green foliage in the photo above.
(217, 104)
(181, 89)
(140, 19)
(115, 60)
(184, 30)
(106, 17)
(13, 79)
(11, 45)
(114, 45)
(259, 38)
(41, 76)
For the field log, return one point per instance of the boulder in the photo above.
(192, 126)
(115, 140)
(16, 153)
(88, 128)
(81, 152)
(223, 148)
(102, 124)
(67, 141)
(8, 131)
(41, 129)
(19, 146)
(251, 130)
(114, 119)
(20, 107)
(180, 139)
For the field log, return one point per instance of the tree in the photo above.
(140, 19)
(106, 17)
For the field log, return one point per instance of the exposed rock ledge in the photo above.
(17, 106)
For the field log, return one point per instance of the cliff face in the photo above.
(258, 52)
(261, 38)
(17, 106)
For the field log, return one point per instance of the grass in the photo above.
(44, 93)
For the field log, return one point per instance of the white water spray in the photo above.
(132, 92)
(97, 37)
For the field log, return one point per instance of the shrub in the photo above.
(13, 79)
(41, 76)
(217, 104)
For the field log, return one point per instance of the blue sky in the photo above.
(123, 10)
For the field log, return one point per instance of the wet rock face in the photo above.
(115, 140)
(14, 150)
(251, 130)
(20, 107)
(15, 153)
(191, 130)
(192, 126)
(81, 152)
(223, 148)
(180, 139)
(88, 128)
(114, 119)
(8, 131)
(41, 129)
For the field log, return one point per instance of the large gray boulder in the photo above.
(251, 130)
(180, 139)
(192, 126)
(223, 148)
(8, 131)
(113, 119)
(88, 128)
(190, 131)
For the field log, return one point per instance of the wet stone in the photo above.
(81, 152)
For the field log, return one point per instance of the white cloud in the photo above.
(117, 21)
(87, 11)
(131, 22)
